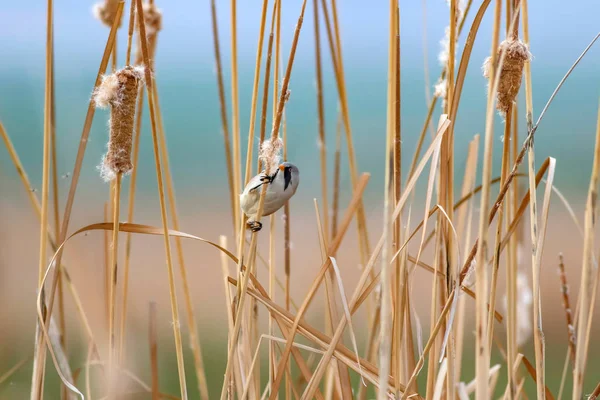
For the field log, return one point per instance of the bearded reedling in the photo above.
(281, 187)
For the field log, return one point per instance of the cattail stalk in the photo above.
(321, 120)
(235, 115)
(564, 290)
(386, 330)
(153, 342)
(159, 176)
(336, 57)
(119, 91)
(39, 360)
(223, 111)
(589, 273)
(481, 276)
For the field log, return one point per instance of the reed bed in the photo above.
(464, 232)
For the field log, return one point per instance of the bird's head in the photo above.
(291, 175)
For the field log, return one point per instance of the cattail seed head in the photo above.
(106, 11)
(153, 24)
(119, 91)
(517, 53)
(270, 154)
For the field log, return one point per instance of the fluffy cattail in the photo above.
(106, 11)
(119, 91)
(441, 90)
(517, 53)
(153, 24)
(270, 154)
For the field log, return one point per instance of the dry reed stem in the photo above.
(465, 218)
(228, 307)
(56, 215)
(386, 328)
(589, 273)
(130, 211)
(499, 222)
(172, 289)
(259, 49)
(511, 273)
(235, 116)
(223, 111)
(191, 319)
(447, 199)
(265, 98)
(152, 16)
(321, 119)
(272, 359)
(336, 56)
(263, 122)
(106, 243)
(336, 176)
(564, 290)
(39, 361)
(153, 343)
(113, 288)
(481, 275)
(536, 253)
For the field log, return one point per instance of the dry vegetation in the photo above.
(397, 360)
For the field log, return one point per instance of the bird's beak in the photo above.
(281, 167)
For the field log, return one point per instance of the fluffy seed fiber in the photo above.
(106, 11)
(119, 91)
(517, 53)
(270, 154)
(153, 23)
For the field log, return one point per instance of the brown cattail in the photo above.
(153, 23)
(119, 91)
(106, 11)
(517, 53)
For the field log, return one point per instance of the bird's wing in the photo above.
(254, 183)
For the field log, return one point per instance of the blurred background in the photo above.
(185, 75)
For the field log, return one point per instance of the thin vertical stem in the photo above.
(152, 339)
(40, 349)
(163, 209)
(235, 116)
(224, 123)
(189, 308)
(113, 285)
(321, 120)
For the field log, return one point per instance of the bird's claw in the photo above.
(254, 226)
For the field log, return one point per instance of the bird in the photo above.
(281, 187)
